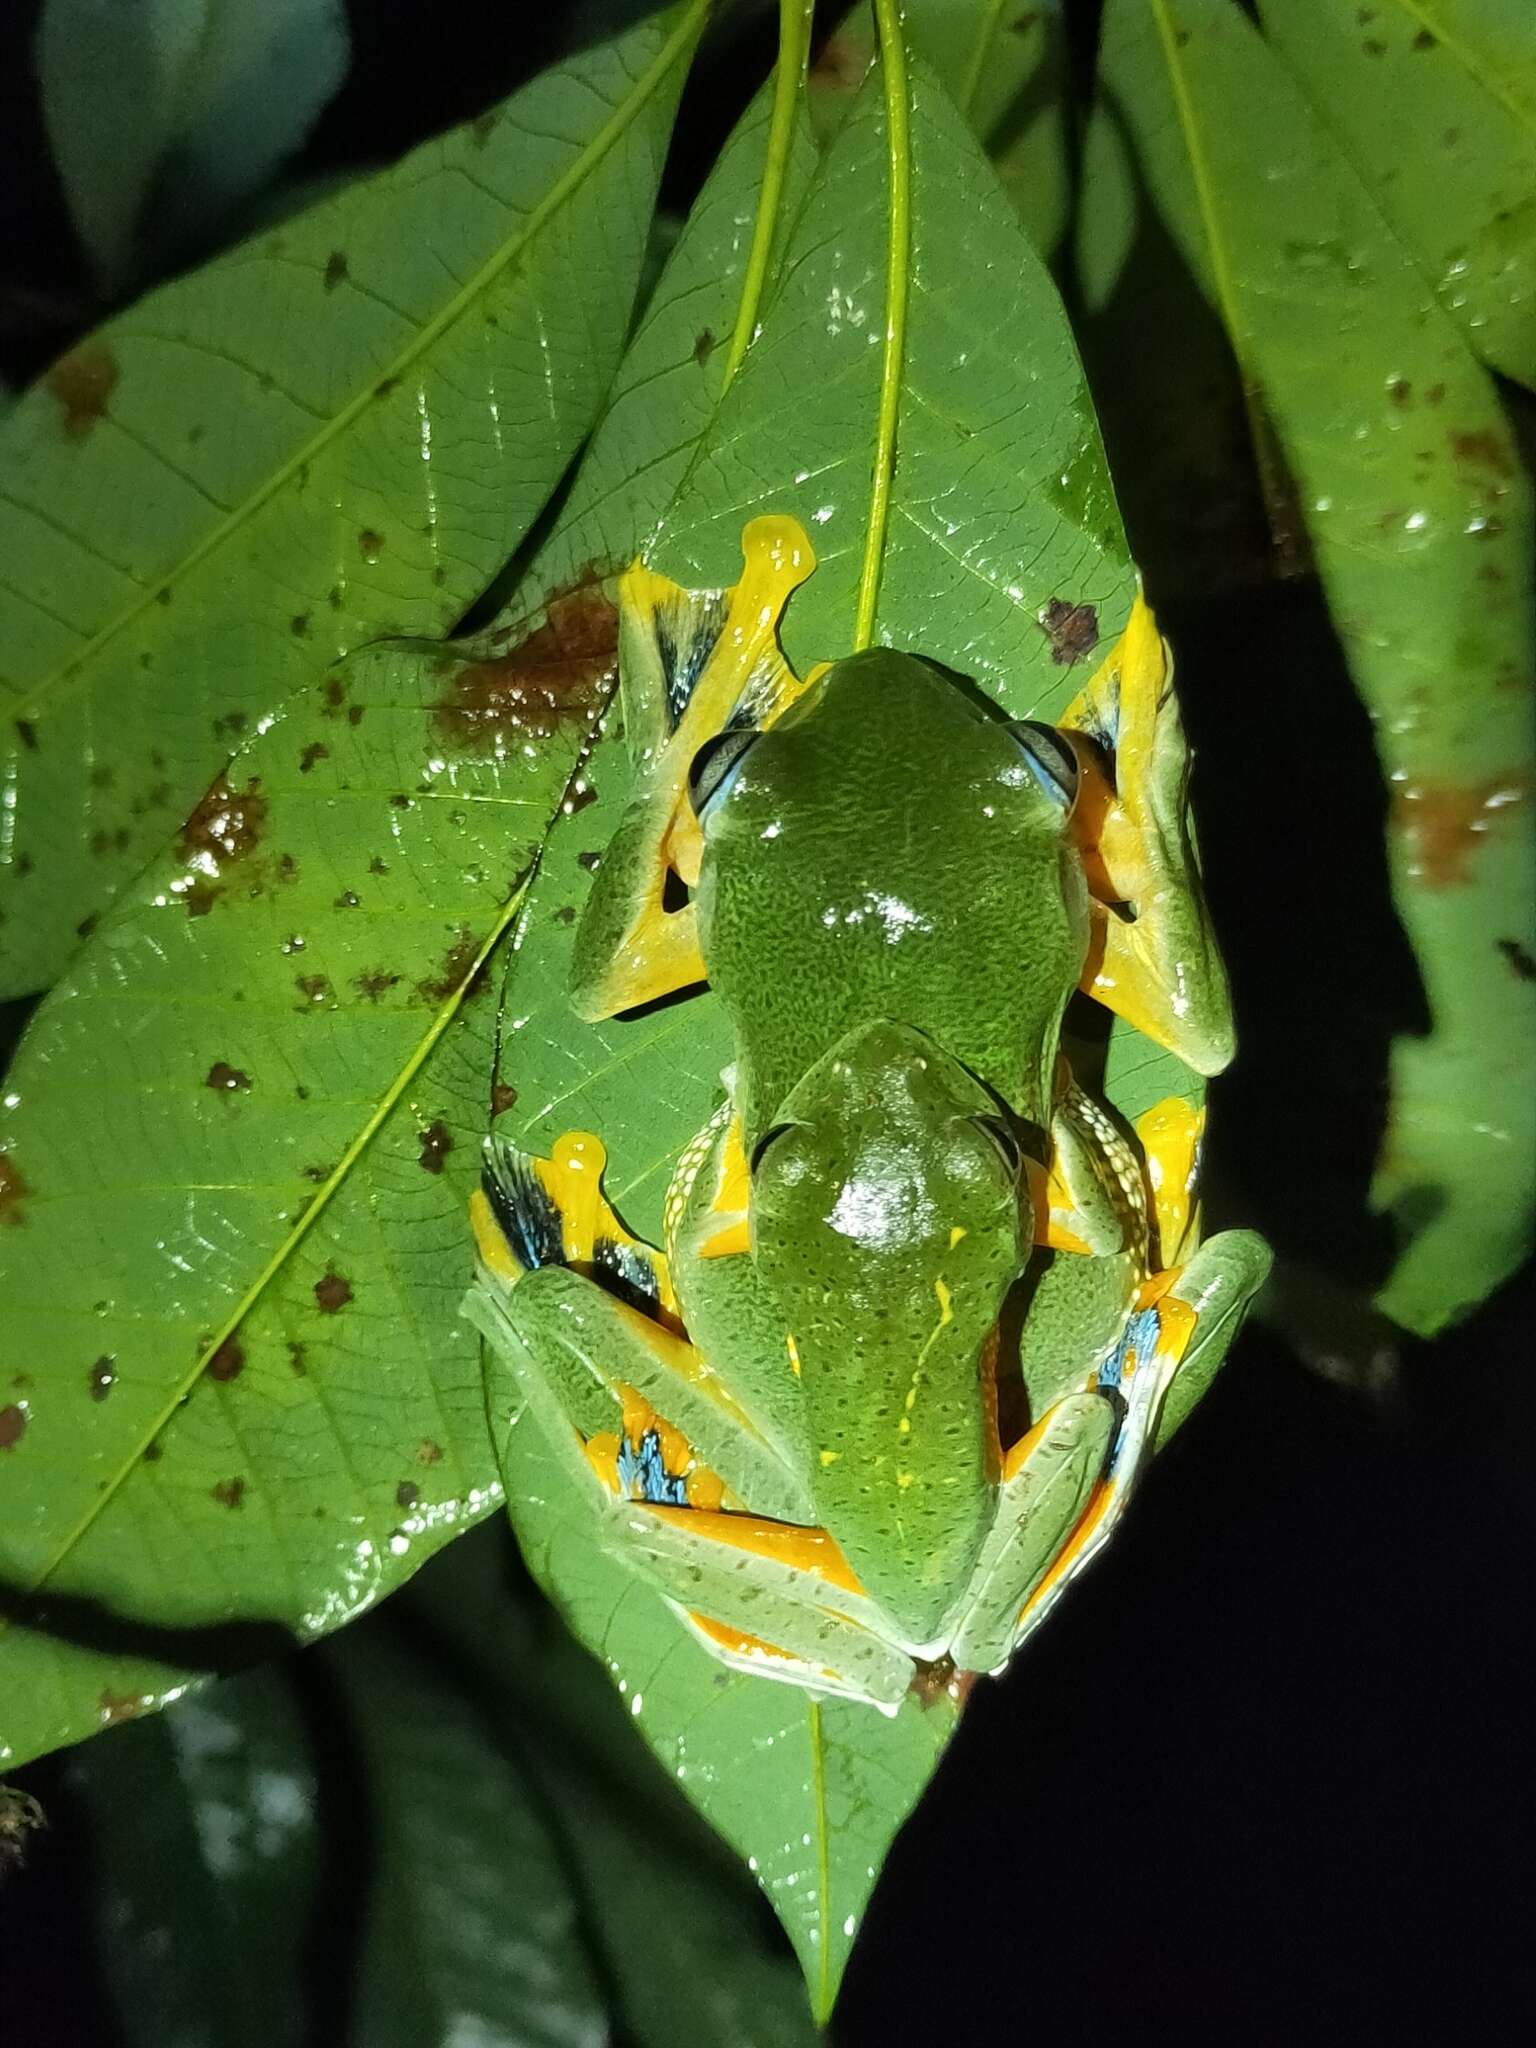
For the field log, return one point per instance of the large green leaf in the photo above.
(1419, 521)
(335, 432)
(236, 1397)
(999, 503)
(1434, 102)
(443, 1827)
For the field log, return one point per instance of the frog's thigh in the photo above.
(1048, 1481)
(760, 1612)
(1216, 1286)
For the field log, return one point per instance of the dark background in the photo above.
(1267, 1777)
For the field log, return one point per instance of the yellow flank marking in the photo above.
(806, 1550)
(496, 1255)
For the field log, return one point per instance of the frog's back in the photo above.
(887, 851)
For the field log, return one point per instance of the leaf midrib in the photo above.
(55, 685)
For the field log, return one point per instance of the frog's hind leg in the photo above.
(691, 665)
(1153, 959)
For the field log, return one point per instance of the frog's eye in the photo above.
(1049, 758)
(715, 767)
(1008, 1148)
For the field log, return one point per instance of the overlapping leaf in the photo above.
(1000, 505)
(335, 432)
(1434, 103)
(1419, 520)
(441, 1824)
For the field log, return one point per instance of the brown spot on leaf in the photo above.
(1072, 630)
(222, 1076)
(482, 128)
(200, 896)
(335, 695)
(13, 1425)
(370, 545)
(1373, 46)
(1435, 395)
(355, 714)
(503, 1095)
(313, 988)
(87, 924)
(378, 865)
(385, 385)
(1447, 822)
(118, 1706)
(1519, 959)
(1426, 39)
(1484, 449)
(590, 861)
(407, 1493)
(456, 963)
(840, 67)
(704, 346)
(436, 1144)
(428, 1453)
(1400, 391)
(315, 751)
(581, 794)
(13, 1188)
(332, 1292)
(229, 1493)
(554, 680)
(378, 981)
(318, 1174)
(26, 732)
(298, 625)
(566, 914)
(228, 1362)
(225, 824)
(153, 1453)
(101, 1378)
(297, 1358)
(335, 269)
(347, 900)
(82, 382)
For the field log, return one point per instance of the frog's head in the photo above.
(889, 1217)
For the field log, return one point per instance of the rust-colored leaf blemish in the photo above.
(225, 825)
(335, 269)
(334, 695)
(318, 1174)
(223, 1078)
(229, 1493)
(554, 680)
(297, 1359)
(1400, 391)
(13, 1425)
(26, 732)
(287, 868)
(1484, 449)
(118, 1706)
(317, 750)
(13, 1190)
(590, 861)
(332, 1291)
(313, 989)
(1519, 959)
(840, 66)
(581, 794)
(101, 1378)
(704, 346)
(355, 714)
(200, 895)
(565, 914)
(428, 1453)
(347, 900)
(378, 865)
(407, 1493)
(1071, 629)
(1447, 822)
(298, 625)
(456, 963)
(377, 982)
(385, 386)
(370, 545)
(153, 1453)
(436, 1143)
(82, 382)
(503, 1095)
(228, 1362)
(1425, 39)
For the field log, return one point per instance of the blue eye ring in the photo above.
(713, 771)
(1049, 758)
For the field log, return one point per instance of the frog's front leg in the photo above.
(687, 1492)
(1153, 960)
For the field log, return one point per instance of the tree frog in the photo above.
(921, 1302)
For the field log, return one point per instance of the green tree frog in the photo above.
(922, 1301)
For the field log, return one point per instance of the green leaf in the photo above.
(194, 103)
(1419, 520)
(336, 432)
(999, 503)
(1434, 103)
(450, 1813)
(236, 1400)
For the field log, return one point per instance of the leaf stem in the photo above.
(898, 133)
(788, 83)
